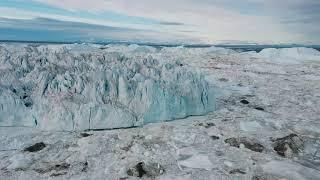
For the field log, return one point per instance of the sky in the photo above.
(162, 21)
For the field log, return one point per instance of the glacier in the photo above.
(74, 87)
(86, 87)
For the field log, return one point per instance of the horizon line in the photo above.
(158, 44)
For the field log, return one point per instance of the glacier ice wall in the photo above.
(80, 87)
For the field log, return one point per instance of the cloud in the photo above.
(44, 29)
(14, 13)
(171, 23)
(302, 20)
(213, 20)
(270, 21)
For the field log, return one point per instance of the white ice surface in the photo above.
(287, 55)
(194, 147)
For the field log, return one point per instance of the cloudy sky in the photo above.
(190, 21)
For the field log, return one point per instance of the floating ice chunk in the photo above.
(198, 162)
(250, 126)
(191, 158)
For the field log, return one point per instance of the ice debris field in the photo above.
(66, 112)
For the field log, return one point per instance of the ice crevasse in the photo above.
(54, 87)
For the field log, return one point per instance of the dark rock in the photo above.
(209, 124)
(60, 167)
(85, 134)
(233, 142)
(128, 147)
(142, 169)
(219, 153)
(137, 171)
(36, 147)
(58, 174)
(288, 145)
(243, 101)
(251, 144)
(85, 167)
(206, 125)
(200, 124)
(130, 172)
(223, 80)
(259, 108)
(225, 120)
(260, 177)
(28, 104)
(214, 137)
(237, 171)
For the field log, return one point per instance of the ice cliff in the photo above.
(80, 87)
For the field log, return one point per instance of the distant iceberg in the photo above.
(287, 55)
